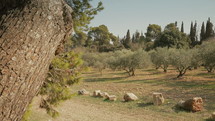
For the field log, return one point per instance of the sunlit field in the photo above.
(196, 83)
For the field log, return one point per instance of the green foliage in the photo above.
(64, 71)
(127, 40)
(207, 52)
(161, 58)
(193, 34)
(27, 114)
(79, 39)
(182, 27)
(202, 34)
(83, 13)
(130, 61)
(209, 29)
(96, 60)
(153, 31)
(182, 60)
(102, 39)
(171, 37)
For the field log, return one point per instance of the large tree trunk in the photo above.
(30, 33)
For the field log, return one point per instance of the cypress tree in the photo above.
(193, 36)
(209, 29)
(182, 27)
(127, 41)
(176, 23)
(195, 31)
(137, 36)
(202, 34)
(191, 32)
(133, 39)
(141, 34)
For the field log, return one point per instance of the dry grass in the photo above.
(196, 83)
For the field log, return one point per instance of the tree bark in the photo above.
(30, 33)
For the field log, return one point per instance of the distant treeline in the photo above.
(101, 40)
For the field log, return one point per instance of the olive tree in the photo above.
(161, 58)
(207, 52)
(182, 60)
(96, 60)
(130, 61)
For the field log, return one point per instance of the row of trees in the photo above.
(181, 59)
(101, 40)
(171, 36)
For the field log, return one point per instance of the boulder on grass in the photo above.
(83, 92)
(213, 116)
(130, 97)
(195, 104)
(100, 94)
(96, 93)
(158, 98)
(112, 97)
(105, 95)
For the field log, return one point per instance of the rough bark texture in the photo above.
(30, 33)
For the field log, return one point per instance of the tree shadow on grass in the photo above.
(206, 75)
(179, 109)
(154, 81)
(145, 104)
(209, 119)
(104, 79)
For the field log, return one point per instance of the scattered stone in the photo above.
(100, 94)
(105, 95)
(96, 93)
(130, 97)
(158, 98)
(112, 98)
(213, 116)
(83, 92)
(181, 103)
(195, 104)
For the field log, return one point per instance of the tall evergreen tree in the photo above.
(209, 29)
(127, 41)
(133, 39)
(202, 34)
(182, 27)
(137, 37)
(195, 31)
(141, 34)
(176, 23)
(193, 36)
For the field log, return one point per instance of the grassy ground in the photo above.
(196, 83)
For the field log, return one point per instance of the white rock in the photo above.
(96, 93)
(130, 97)
(213, 115)
(112, 98)
(83, 92)
(158, 98)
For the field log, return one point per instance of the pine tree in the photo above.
(202, 34)
(209, 29)
(182, 27)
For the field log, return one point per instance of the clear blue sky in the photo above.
(121, 15)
